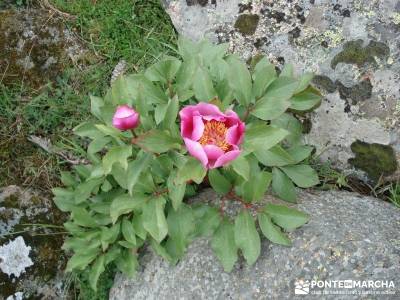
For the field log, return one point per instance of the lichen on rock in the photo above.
(14, 257)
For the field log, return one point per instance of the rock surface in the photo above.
(352, 46)
(348, 237)
(19, 210)
(35, 45)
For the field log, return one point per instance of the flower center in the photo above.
(214, 134)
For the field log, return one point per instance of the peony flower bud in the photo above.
(125, 118)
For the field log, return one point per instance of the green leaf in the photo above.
(123, 91)
(127, 263)
(276, 100)
(300, 153)
(89, 130)
(124, 204)
(117, 154)
(96, 103)
(180, 226)
(285, 217)
(305, 100)
(98, 144)
(164, 70)
(127, 231)
(154, 219)
(176, 191)
(264, 75)
(95, 272)
(292, 125)
(302, 175)
(246, 237)
(157, 141)
(218, 182)
(82, 217)
(263, 137)
(271, 231)
(207, 220)
(240, 80)
(108, 130)
(64, 199)
(80, 260)
(135, 168)
(191, 170)
(254, 189)
(223, 244)
(287, 71)
(85, 189)
(159, 112)
(283, 186)
(203, 86)
(171, 113)
(160, 250)
(303, 82)
(276, 156)
(68, 179)
(137, 223)
(241, 166)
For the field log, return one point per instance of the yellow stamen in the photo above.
(214, 134)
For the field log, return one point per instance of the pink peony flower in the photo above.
(125, 118)
(211, 136)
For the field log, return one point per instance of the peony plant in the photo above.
(201, 119)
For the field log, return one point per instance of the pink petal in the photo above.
(125, 118)
(207, 109)
(232, 135)
(197, 151)
(124, 111)
(226, 158)
(213, 152)
(198, 128)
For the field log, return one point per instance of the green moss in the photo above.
(374, 159)
(324, 82)
(354, 53)
(246, 24)
(358, 92)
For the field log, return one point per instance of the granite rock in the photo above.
(352, 46)
(349, 237)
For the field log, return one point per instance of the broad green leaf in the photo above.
(187, 71)
(287, 71)
(282, 88)
(176, 191)
(186, 47)
(218, 182)
(88, 129)
(137, 223)
(203, 86)
(163, 70)
(246, 236)
(127, 231)
(292, 125)
(122, 91)
(224, 246)
(180, 227)
(240, 80)
(305, 100)
(85, 189)
(160, 250)
(157, 141)
(268, 108)
(112, 254)
(276, 156)
(83, 171)
(300, 153)
(80, 260)
(271, 231)
(283, 186)
(154, 220)
(254, 189)
(68, 179)
(241, 166)
(127, 263)
(109, 235)
(95, 272)
(225, 93)
(64, 199)
(264, 74)
(191, 170)
(159, 112)
(108, 130)
(303, 82)
(263, 137)
(124, 204)
(302, 175)
(207, 221)
(82, 217)
(285, 217)
(120, 175)
(171, 113)
(117, 154)
(98, 144)
(96, 103)
(135, 168)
